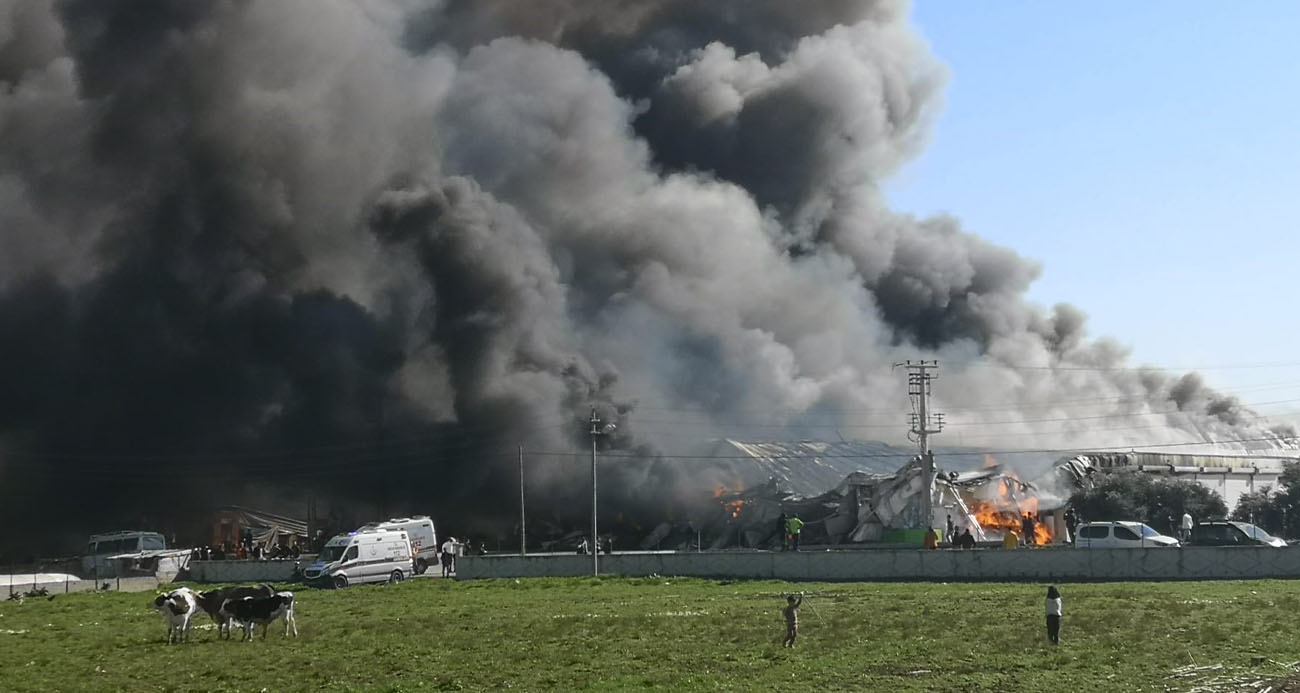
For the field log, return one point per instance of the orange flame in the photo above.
(1007, 509)
(732, 506)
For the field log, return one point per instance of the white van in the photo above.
(1120, 535)
(96, 560)
(424, 539)
(373, 555)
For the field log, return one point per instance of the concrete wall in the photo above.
(241, 571)
(1065, 564)
(56, 587)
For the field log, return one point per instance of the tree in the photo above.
(1276, 511)
(1159, 501)
(1262, 508)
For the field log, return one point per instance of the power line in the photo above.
(1118, 448)
(1219, 367)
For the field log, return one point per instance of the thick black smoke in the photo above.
(250, 250)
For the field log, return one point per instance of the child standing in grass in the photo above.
(791, 611)
(1053, 615)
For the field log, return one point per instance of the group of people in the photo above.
(245, 551)
(605, 546)
(451, 548)
(789, 527)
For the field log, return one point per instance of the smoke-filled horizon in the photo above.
(368, 248)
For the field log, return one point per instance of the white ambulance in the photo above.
(424, 540)
(372, 555)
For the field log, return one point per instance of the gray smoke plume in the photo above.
(368, 248)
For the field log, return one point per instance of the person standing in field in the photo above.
(795, 525)
(1185, 530)
(1053, 615)
(448, 556)
(791, 611)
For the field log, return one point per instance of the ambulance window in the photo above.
(351, 554)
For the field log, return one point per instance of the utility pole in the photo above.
(597, 429)
(523, 518)
(924, 423)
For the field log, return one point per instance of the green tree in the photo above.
(1159, 501)
(1276, 510)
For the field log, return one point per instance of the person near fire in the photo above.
(931, 538)
(1027, 529)
(1053, 615)
(966, 540)
(783, 528)
(1010, 540)
(949, 533)
(794, 525)
(791, 611)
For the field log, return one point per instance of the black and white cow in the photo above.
(211, 600)
(178, 609)
(250, 611)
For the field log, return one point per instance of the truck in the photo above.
(370, 555)
(420, 530)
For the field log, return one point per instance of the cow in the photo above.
(250, 611)
(178, 609)
(211, 600)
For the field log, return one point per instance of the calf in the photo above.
(261, 610)
(178, 608)
(211, 601)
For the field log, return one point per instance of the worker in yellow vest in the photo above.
(1010, 540)
(793, 526)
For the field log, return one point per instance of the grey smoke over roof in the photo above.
(370, 247)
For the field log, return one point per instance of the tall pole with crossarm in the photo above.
(924, 424)
(596, 430)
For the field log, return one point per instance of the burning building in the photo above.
(882, 503)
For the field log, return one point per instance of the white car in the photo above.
(1120, 535)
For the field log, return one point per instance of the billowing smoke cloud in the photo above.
(367, 248)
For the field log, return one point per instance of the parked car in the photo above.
(1228, 533)
(1120, 535)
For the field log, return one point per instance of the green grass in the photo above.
(675, 634)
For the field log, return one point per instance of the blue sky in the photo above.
(1148, 155)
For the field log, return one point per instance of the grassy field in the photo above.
(678, 634)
